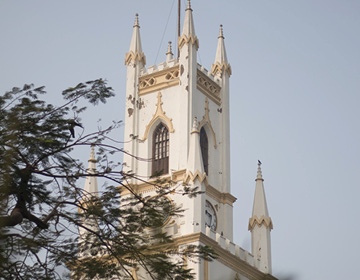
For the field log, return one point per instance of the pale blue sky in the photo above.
(295, 94)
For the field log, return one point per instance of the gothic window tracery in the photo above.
(160, 159)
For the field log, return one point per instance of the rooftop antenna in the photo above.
(178, 29)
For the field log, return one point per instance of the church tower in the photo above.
(177, 119)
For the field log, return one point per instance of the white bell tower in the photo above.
(177, 115)
(177, 126)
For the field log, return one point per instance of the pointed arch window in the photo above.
(160, 159)
(204, 144)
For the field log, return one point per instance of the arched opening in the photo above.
(160, 150)
(204, 144)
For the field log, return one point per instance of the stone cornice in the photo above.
(177, 176)
(220, 197)
(208, 87)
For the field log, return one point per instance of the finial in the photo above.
(169, 54)
(169, 51)
(221, 34)
(92, 153)
(136, 24)
(259, 173)
(195, 124)
(188, 6)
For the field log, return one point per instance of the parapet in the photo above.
(232, 248)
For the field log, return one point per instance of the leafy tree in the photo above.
(42, 205)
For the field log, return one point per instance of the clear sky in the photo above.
(295, 96)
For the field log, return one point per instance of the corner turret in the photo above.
(221, 69)
(188, 35)
(260, 225)
(135, 54)
(89, 223)
(221, 64)
(135, 61)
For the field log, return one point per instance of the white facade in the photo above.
(189, 100)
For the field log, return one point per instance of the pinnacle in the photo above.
(221, 35)
(188, 5)
(92, 153)
(259, 173)
(136, 24)
(195, 126)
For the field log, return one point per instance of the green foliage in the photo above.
(42, 206)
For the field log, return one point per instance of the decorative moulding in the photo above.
(159, 80)
(206, 120)
(221, 68)
(208, 87)
(263, 220)
(145, 187)
(192, 39)
(189, 176)
(159, 114)
(135, 57)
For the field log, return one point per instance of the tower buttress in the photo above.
(135, 61)
(195, 166)
(221, 69)
(260, 225)
(188, 46)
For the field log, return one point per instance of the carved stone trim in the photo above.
(208, 87)
(159, 80)
(206, 120)
(189, 176)
(192, 39)
(259, 221)
(159, 114)
(221, 68)
(135, 57)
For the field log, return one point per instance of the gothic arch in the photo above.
(206, 121)
(160, 149)
(204, 146)
(159, 115)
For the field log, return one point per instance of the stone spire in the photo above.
(90, 191)
(169, 54)
(188, 35)
(195, 166)
(135, 53)
(221, 63)
(260, 225)
(91, 185)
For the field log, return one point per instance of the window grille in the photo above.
(160, 162)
